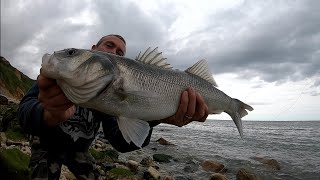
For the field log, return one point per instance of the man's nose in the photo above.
(113, 51)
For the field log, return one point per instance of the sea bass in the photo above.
(135, 91)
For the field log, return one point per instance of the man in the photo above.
(66, 131)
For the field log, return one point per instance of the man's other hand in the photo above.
(192, 108)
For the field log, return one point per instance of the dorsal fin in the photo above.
(153, 57)
(201, 69)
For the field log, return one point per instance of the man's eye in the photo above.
(110, 45)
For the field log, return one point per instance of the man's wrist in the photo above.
(49, 120)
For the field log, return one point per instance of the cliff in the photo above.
(13, 83)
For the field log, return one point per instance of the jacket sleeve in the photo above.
(30, 112)
(113, 134)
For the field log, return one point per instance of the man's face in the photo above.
(111, 44)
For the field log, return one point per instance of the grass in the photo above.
(103, 154)
(121, 172)
(14, 164)
(10, 79)
(15, 134)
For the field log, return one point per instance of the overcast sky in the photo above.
(265, 53)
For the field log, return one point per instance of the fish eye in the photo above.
(71, 52)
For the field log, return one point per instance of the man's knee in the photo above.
(83, 165)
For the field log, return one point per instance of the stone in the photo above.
(162, 158)
(10, 142)
(3, 138)
(271, 163)
(181, 177)
(97, 146)
(213, 166)
(147, 161)
(9, 119)
(162, 141)
(133, 165)
(3, 100)
(167, 178)
(26, 150)
(26, 143)
(218, 176)
(244, 174)
(108, 166)
(98, 141)
(191, 166)
(102, 172)
(154, 173)
(189, 169)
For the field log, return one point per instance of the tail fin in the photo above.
(239, 111)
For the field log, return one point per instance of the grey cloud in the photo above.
(21, 27)
(283, 47)
(139, 29)
(275, 41)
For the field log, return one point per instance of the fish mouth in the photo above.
(46, 58)
(48, 66)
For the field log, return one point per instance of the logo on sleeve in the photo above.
(82, 124)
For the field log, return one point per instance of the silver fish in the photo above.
(136, 91)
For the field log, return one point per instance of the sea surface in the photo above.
(294, 144)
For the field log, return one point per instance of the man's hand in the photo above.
(57, 108)
(192, 108)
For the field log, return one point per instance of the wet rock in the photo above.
(3, 139)
(9, 119)
(26, 150)
(271, 163)
(167, 178)
(3, 100)
(133, 165)
(218, 176)
(188, 169)
(154, 173)
(162, 158)
(162, 141)
(10, 142)
(66, 173)
(213, 166)
(108, 166)
(191, 166)
(181, 177)
(147, 162)
(97, 146)
(244, 174)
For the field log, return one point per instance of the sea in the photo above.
(295, 145)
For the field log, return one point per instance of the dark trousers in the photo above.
(46, 163)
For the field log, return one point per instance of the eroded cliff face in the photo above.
(13, 83)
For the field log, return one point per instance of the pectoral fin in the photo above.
(133, 130)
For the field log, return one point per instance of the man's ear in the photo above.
(93, 47)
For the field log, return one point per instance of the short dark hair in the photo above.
(116, 35)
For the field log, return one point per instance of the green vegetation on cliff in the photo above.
(12, 79)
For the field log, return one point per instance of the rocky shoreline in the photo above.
(161, 159)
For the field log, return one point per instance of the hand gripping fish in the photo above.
(135, 91)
